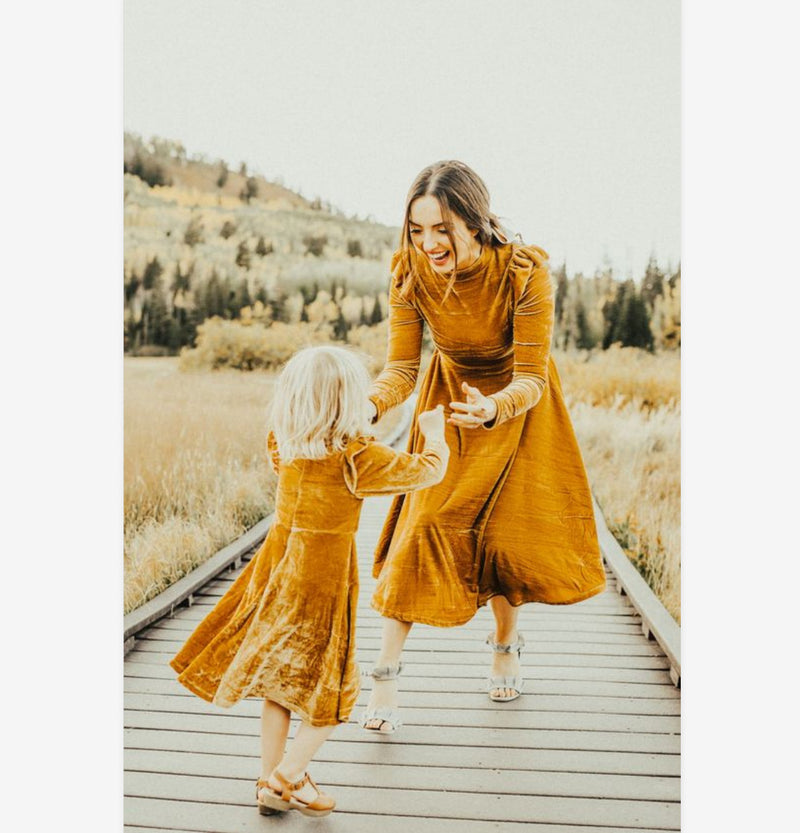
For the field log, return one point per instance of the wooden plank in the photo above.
(507, 781)
(457, 650)
(218, 818)
(476, 718)
(456, 700)
(447, 663)
(430, 803)
(656, 620)
(601, 688)
(420, 734)
(371, 627)
(477, 673)
(393, 753)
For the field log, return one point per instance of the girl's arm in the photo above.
(533, 330)
(395, 383)
(372, 468)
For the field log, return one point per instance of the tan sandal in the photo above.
(264, 809)
(284, 799)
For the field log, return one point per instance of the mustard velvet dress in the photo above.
(285, 630)
(513, 515)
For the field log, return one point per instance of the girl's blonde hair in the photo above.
(320, 403)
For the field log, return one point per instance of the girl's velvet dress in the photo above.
(285, 629)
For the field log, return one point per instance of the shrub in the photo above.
(249, 344)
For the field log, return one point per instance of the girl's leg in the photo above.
(274, 731)
(506, 665)
(293, 765)
(384, 692)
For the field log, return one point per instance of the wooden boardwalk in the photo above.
(593, 746)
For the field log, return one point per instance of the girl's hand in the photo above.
(475, 411)
(372, 411)
(431, 424)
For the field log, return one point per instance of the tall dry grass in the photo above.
(625, 407)
(196, 474)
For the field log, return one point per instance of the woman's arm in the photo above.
(533, 330)
(395, 383)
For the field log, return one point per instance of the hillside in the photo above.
(202, 240)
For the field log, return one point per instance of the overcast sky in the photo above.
(569, 109)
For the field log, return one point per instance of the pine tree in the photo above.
(340, 326)
(227, 230)
(213, 297)
(562, 286)
(194, 231)
(250, 190)
(652, 283)
(262, 248)
(152, 272)
(377, 312)
(277, 305)
(584, 339)
(181, 282)
(243, 255)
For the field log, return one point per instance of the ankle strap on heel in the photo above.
(513, 647)
(386, 672)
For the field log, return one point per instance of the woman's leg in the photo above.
(506, 665)
(384, 692)
(274, 731)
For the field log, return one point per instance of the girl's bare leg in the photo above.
(274, 731)
(506, 665)
(384, 692)
(302, 748)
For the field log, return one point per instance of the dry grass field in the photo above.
(196, 475)
(625, 407)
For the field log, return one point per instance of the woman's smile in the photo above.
(443, 243)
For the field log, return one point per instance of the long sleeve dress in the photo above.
(513, 516)
(285, 630)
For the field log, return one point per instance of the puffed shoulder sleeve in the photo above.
(272, 452)
(395, 383)
(372, 468)
(529, 277)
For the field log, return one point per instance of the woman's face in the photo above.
(428, 234)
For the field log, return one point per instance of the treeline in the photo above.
(598, 311)
(164, 307)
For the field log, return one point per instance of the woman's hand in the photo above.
(372, 411)
(473, 413)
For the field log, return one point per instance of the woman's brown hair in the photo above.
(460, 191)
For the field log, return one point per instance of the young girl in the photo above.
(285, 630)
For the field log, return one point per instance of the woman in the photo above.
(512, 520)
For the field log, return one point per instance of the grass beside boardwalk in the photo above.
(625, 408)
(196, 473)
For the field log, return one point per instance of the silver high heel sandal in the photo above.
(388, 714)
(499, 681)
